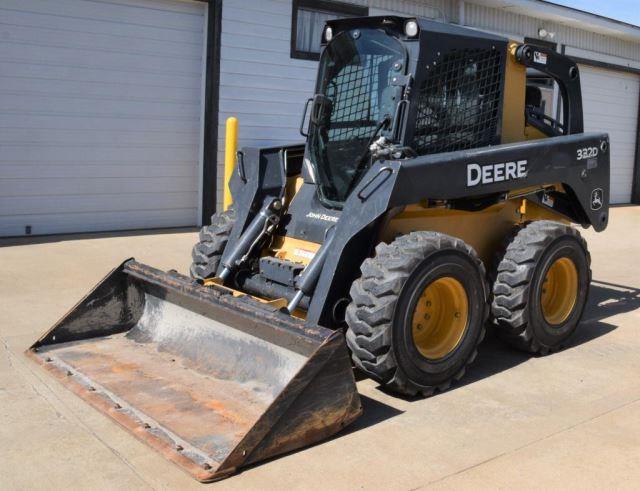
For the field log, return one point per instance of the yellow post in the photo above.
(230, 146)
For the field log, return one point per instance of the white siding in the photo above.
(610, 100)
(507, 22)
(100, 114)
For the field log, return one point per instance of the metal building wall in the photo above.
(444, 10)
(507, 22)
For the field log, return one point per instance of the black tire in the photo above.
(384, 298)
(517, 307)
(208, 250)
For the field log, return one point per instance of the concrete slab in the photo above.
(570, 419)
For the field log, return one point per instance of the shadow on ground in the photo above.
(605, 300)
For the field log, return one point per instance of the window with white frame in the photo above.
(308, 19)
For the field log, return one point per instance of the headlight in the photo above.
(411, 28)
(328, 34)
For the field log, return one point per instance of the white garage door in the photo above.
(100, 114)
(610, 100)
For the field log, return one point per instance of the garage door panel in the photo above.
(45, 136)
(115, 12)
(89, 153)
(131, 32)
(100, 114)
(123, 61)
(91, 187)
(95, 221)
(73, 88)
(104, 123)
(89, 106)
(47, 71)
(82, 203)
(112, 169)
(610, 102)
(131, 43)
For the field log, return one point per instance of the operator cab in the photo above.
(391, 87)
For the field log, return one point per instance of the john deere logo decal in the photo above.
(489, 173)
(596, 199)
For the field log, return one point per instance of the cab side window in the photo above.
(543, 103)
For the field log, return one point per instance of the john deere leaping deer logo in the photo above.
(596, 199)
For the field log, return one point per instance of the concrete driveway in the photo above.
(569, 420)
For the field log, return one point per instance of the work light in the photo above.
(411, 28)
(328, 34)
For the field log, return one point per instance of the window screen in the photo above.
(459, 102)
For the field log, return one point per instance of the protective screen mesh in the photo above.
(355, 92)
(459, 102)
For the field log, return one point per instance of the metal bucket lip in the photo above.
(171, 451)
(190, 459)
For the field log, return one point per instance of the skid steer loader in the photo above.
(433, 194)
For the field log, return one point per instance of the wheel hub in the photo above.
(559, 291)
(440, 318)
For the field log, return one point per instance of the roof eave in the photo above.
(547, 11)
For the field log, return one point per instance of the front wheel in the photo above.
(417, 312)
(207, 252)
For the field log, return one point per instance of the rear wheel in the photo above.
(207, 252)
(417, 312)
(541, 286)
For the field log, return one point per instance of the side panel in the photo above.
(580, 162)
(483, 230)
(444, 176)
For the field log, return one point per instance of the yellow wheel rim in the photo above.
(440, 318)
(559, 291)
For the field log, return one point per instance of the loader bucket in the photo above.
(211, 379)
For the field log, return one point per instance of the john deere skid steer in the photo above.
(435, 193)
